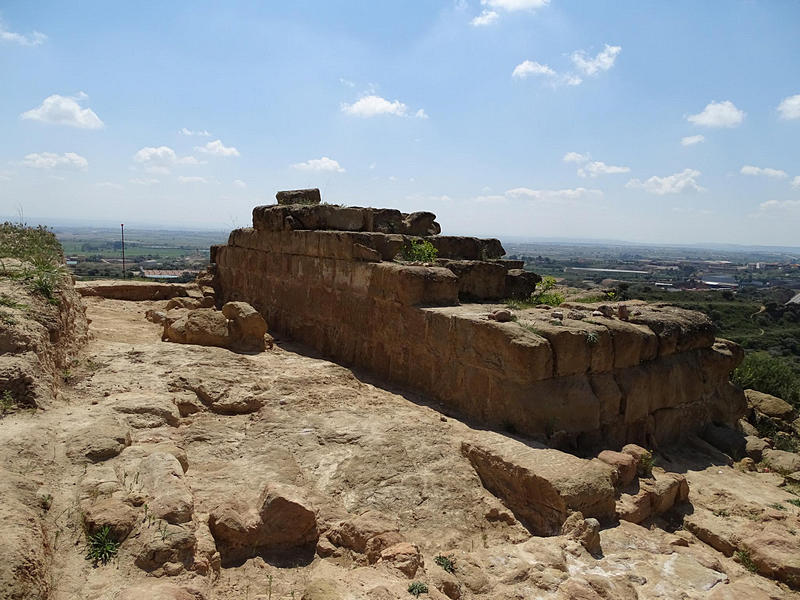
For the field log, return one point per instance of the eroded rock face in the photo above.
(283, 520)
(99, 441)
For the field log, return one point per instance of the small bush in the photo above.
(39, 250)
(416, 588)
(101, 546)
(743, 556)
(795, 501)
(419, 251)
(646, 464)
(448, 563)
(770, 375)
(7, 402)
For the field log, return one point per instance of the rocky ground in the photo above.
(279, 475)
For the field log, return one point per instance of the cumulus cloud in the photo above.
(603, 61)
(487, 17)
(691, 140)
(64, 110)
(766, 171)
(551, 195)
(592, 168)
(50, 160)
(514, 5)
(718, 114)
(789, 108)
(575, 157)
(239, 183)
(34, 39)
(199, 132)
(373, 106)
(319, 164)
(143, 181)
(671, 184)
(217, 148)
(192, 179)
(108, 185)
(774, 206)
(527, 68)
(595, 168)
(161, 159)
(796, 182)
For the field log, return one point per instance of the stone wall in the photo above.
(325, 276)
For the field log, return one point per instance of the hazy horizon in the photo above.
(665, 123)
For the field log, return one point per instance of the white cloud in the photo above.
(143, 181)
(346, 82)
(372, 106)
(217, 148)
(766, 171)
(513, 5)
(691, 140)
(34, 39)
(718, 114)
(575, 157)
(192, 179)
(50, 160)
(779, 206)
(239, 183)
(64, 110)
(319, 164)
(161, 159)
(595, 168)
(796, 182)
(529, 67)
(603, 61)
(671, 184)
(199, 132)
(790, 107)
(108, 185)
(552, 195)
(487, 17)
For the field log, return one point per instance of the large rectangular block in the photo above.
(413, 285)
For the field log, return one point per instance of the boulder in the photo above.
(520, 284)
(624, 464)
(585, 531)
(775, 553)
(247, 327)
(188, 302)
(309, 196)
(118, 516)
(283, 520)
(754, 447)
(356, 533)
(204, 327)
(769, 405)
(404, 557)
(145, 412)
(782, 461)
(104, 438)
(421, 224)
(160, 476)
(162, 543)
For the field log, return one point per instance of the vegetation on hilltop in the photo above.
(36, 254)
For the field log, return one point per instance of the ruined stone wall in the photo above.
(324, 275)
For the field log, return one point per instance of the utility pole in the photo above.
(122, 227)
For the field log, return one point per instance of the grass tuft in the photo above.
(101, 546)
(416, 588)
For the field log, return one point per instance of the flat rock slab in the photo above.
(541, 485)
(131, 290)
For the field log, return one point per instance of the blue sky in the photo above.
(672, 122)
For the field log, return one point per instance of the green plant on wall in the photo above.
(419, 251)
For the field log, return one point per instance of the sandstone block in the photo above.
(754, 447)
(414, 285)
(624, 464)
(782, 461)
(769, 405)
(421, 224)
(520, 284)
(119, 517)
(776, 554)
(585, 531)
(161, 478)
(204, 327)
(103, 439)
(309, 196)
(248, 327)
(404, 557)
(356, 533)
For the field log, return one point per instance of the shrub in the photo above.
(416, 588)
(7, 402)
(541, 295)
(768, 374)
(448, 563)
(101, 546)
(419, 251)
(39, 250)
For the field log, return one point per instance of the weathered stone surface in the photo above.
(477, 279)
(283, 520)
(103, 439)
(775, 554)
(357, 533)
(540, 485)
(159, 477)
(769, 405)
(726, 439)
(754, 447)
(467, 248)
(404, 557)
(585, 531)
(520, 284)
(322, 589)
(155, 547)
(145, 411)
(421, 223)
(309, 196)
(160, 591)
(204, 327)
(247, 327)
